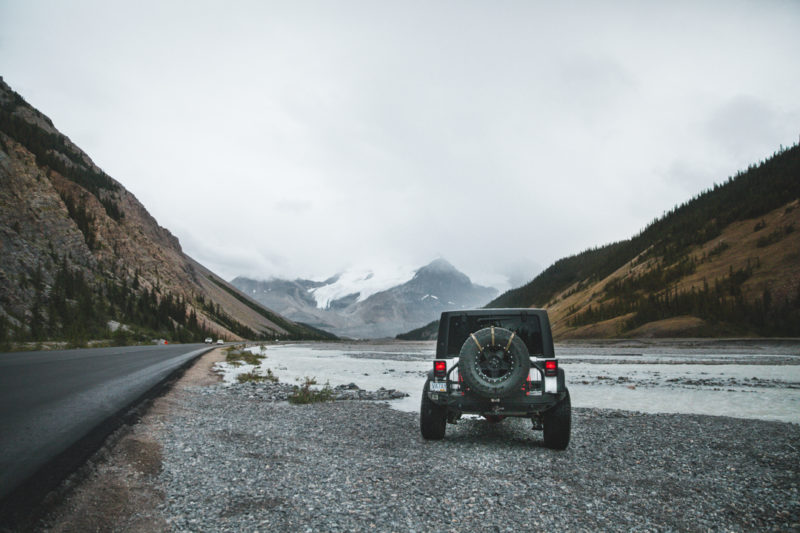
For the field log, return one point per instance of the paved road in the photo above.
(51, 400)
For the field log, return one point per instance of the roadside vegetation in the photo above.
(74, 310)
(304, 394)
(237, 356)
(254, 377)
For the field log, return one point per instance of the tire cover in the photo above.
(494, 362)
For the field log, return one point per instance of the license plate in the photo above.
(438, 386)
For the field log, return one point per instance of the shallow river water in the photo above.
(744, 380)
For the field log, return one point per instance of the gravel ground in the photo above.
(241, 459)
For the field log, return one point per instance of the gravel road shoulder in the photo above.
(119, 488)
(231, 459)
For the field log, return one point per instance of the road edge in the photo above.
(41, 493)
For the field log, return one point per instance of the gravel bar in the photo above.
(240, 459)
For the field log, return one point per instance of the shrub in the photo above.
(251, 376)
(775, 236)
(237, 356)
(305, 394)
(719, 248)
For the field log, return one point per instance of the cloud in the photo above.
(296, 207)
(302, 139)
(746, 124)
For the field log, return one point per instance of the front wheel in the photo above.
(557, 424)
(432, 417)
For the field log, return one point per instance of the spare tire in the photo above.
(494, 362)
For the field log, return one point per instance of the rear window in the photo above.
(526, 327)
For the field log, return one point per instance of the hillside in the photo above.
(428, 332)
(81, 258)
(726, 263)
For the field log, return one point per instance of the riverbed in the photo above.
(737, 379)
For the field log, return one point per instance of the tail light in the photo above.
(439, 369)
(550, 368)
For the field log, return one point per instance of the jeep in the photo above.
(496, 363)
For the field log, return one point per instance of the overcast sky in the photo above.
(299, 139)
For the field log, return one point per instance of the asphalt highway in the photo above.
(51, 400)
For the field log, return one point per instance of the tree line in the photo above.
(73, 309)
(720, 304)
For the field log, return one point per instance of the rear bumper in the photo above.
(521, 405)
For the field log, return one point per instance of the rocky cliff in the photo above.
(77, 251)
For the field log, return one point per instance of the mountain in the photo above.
(294, 299)
(80, 256)
(356, 309)
(434, 288)
(725, 263)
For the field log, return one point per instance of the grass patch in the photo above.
(240, 356)
(305, 394)
(250, 377)
(254, 377)
(719, 248)
(775, 236)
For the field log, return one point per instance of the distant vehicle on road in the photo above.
(209, 340)
(220, 341)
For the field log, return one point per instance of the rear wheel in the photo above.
(432, 417)
(558, 424)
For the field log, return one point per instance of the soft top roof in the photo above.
(531, 325)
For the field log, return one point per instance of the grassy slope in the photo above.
(779, 270)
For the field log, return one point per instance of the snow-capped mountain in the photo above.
(358, 284)
(363, 304)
